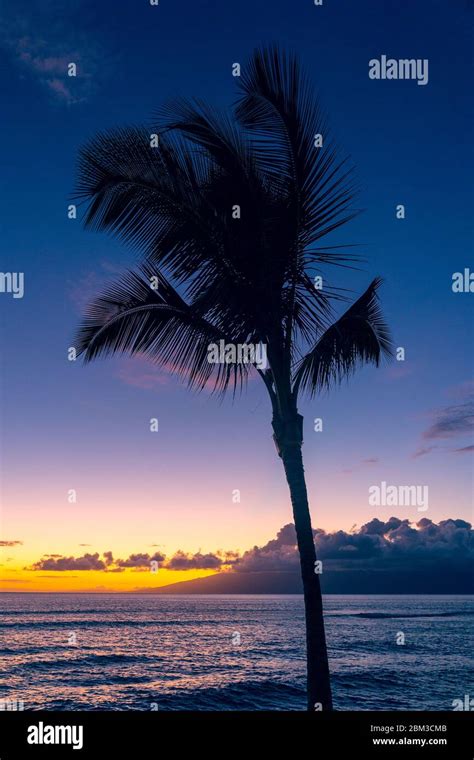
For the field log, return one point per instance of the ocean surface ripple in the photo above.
(149, 652)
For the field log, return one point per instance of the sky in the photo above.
(68, 426)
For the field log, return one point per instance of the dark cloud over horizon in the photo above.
(378, 544)
(393, 539)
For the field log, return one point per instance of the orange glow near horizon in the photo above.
(92, 581)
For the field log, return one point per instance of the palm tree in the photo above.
(227, 211)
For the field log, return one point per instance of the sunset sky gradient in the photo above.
(68, 426)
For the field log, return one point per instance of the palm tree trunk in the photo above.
(288, 437)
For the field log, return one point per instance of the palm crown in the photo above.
(243, 276)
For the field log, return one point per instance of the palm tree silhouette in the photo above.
(227, 211)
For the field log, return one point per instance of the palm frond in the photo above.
(359, 336)
(132, 317)
(282, 116)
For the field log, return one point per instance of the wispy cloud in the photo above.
(11, 543)
(84, 289)
(463, 450)
(396, 371)
(423, 451)
(58, 577)
(450, 423)
(368, 461)
(141, 373)
(43, 41)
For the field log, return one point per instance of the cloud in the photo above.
(397, 371)
(452, 421)
(423, 451)
(198, 561)
(391, 540)
(48, 68)
(140, 560)
(42, 43)
(463, 450)
(49, 65)
(278, 554)
(51, 71)
(142, 373)
(179, 561)
(86, 562)
(57, 577)
(462, 390)
(368, 461)
(11, 543)
(59, 563)
(401, 539)
(378, 544)
(84, 289)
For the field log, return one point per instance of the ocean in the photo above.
(149, 652)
